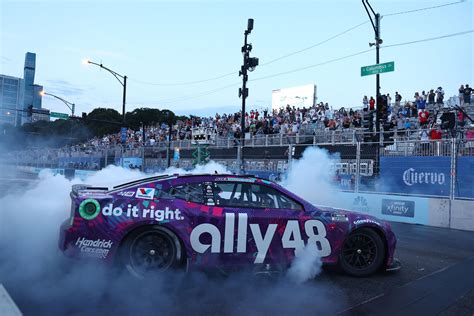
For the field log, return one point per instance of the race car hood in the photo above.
(353, 217)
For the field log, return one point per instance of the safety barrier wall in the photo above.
(456, 214)
(438, 212)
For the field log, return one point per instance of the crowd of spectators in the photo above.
(422, 113)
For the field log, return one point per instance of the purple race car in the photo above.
(223, 221)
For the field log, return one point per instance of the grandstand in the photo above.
(423, 128)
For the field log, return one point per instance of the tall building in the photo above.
(17, 94)
(11, 99)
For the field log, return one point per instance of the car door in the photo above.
(263, 225)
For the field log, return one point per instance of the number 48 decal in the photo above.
(314, 229)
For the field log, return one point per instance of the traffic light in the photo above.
(29, 111)
(252, 63)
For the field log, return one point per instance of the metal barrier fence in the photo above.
(441, 168)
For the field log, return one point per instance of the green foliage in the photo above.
(99, 122)
(102, 121)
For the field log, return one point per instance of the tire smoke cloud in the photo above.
(43, 282)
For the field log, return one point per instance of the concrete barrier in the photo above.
(398, 208)
(438, 212)
(462, 215)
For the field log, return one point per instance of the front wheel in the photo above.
(362, 253)
(152, 250)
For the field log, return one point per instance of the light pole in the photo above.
(378, 41)
(117, 76)
(70, 105)
(249, 65)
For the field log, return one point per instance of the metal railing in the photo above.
(356, 167)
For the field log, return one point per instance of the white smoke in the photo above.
(311, 176)
(34, 271)
(306, 265)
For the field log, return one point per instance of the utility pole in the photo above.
(376, 25)
(249, 65)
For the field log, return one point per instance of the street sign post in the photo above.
(377, 69)
(63, 116)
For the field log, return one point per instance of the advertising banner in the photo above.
(129, 162)
(464, 186)
(416, 175)
(396, 208)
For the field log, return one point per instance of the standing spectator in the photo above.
(372, 103)
(435, 133)
(461, 95)
(424, 137)
(365, 102)
(398, 99)
(420, 103)
(424, 96)
(439, 95)
(431, 97)
(467, 94)
(423, 117)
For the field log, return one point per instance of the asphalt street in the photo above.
(437, 278)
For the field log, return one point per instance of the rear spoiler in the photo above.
(76, 188)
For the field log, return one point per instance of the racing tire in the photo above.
(151, 251)
(362, 253)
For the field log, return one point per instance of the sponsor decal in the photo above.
(292, 238)
(398, 208)
(145, 193)
(411, 177)
(366, 221)
(209, 193)
(89, 209)
(149, 213)
(360, 204)
(127, 193)
(251, 180)
(94, 248)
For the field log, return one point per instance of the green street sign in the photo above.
(377, 69)
(59, 115)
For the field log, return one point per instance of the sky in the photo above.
(159, 45)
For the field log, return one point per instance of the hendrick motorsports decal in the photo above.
(292, 238)
(94, 248)
(398, 207)
(145, 193)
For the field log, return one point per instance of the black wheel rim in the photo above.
(152, 251)
(359, 251)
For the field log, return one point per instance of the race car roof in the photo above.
(163, 177)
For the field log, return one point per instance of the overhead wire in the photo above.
(317, 65)
(263, 64)
(423, 9)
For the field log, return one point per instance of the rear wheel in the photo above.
(362, 253)
(149, 251)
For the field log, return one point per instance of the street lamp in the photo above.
(70, 105)
(117, 76)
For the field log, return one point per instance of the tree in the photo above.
(103, 121)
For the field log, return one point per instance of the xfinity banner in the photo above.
(417, 174)
(398, 207)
